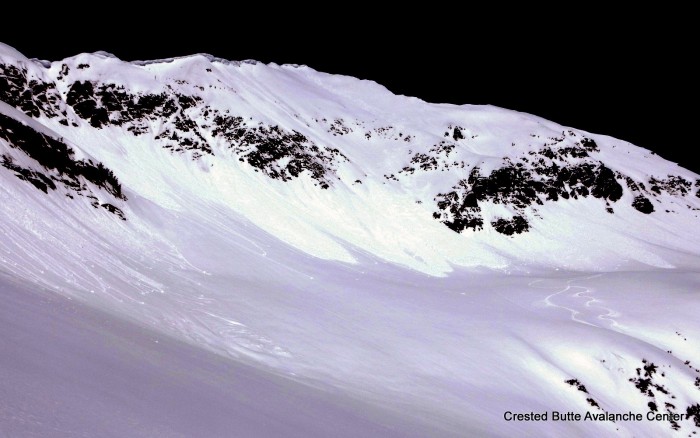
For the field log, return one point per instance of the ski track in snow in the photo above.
(579, 302)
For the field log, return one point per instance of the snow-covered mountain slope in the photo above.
(449, 263)
(323, 162)
(75, 371)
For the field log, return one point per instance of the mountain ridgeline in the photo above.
(474, 168)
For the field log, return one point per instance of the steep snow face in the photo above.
(323, 228)
(328, 162)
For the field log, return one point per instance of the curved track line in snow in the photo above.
(583, 307)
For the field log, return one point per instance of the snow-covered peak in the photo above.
(9, 54)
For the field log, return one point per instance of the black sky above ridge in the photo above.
(631, 83)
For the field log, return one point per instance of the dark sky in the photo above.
(631, 81)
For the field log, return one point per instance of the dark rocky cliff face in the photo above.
(545, 176)
(564, 168)
(57, 165)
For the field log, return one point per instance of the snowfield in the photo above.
(198, 247)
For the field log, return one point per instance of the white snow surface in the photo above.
(356, 290)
